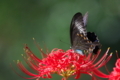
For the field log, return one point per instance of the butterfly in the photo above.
(81, 40)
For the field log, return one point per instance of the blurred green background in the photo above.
(48, 22)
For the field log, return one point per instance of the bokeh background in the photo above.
(48, 22)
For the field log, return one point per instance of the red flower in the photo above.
(63, 63)
(115, 74)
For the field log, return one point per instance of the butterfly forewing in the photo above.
(77, 26)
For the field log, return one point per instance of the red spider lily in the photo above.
(63, 63)
(115, 74)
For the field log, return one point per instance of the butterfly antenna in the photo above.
(64, 42)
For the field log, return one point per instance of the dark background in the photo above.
(48, 22)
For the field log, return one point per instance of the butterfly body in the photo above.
(81, 40)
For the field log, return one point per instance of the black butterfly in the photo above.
(81, 40)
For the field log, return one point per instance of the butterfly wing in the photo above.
(77, 26)
(80, 38)
(92, 37)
